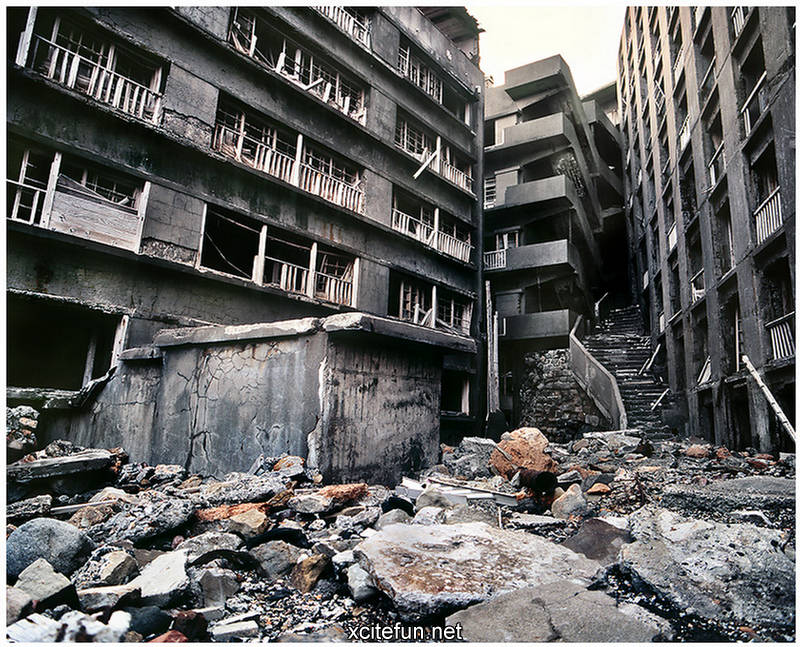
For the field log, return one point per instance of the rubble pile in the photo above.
(613, 537)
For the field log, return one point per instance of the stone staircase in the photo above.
(620, 345)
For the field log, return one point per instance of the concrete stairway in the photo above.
(619, 344)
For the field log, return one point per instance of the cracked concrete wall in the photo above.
(380, 411)
(221, 406)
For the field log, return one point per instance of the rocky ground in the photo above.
(631, 539)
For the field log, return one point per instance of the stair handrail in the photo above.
(770, 398)
(594, 378)
(597, 313)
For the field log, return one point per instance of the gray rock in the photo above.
(427, 570)
(530, 521)
(360, 583)
(571, 503)
(598, 540)
(692, 564)
(36, 628)
(227, 632)
(217, 585)
(83, 461)
(64, 546)
(117, 568)
(363, 518)
(470, 458)
(465, 513)
(37, 506)
(429, 515)
(393, 516)
(243, 488)
(276, 558)
(156, 514)
(311, 503)
(44, 585)
(201, 544)
(568, 478)
(148, 620)
(343, 560)
(164, 579)
(249, 524)
(559, 611)
(769, 494)
(107, 596)
(18, 604)
(432, 496)
(77, 626)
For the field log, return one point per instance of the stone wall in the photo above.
(551, 399)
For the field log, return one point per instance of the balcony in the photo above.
(26, 202)
(698, 286)
(554, 325)
(684, 135)
(756, 104)
(716, 167)
(489, 192)
(738, 18)
(97, 80)
(672, 237)
(347, 19)
(557, 254)
(456, 176)
(495, 260)
(781, 336)
(331, 188)
(428, 235)
(769, 216)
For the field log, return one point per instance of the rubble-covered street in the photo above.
(616, 536)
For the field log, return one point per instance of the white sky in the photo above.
(587, 37)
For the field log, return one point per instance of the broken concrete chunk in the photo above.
(243, 488)
(217, 585)
(45, 586)
(164, 579)
(393, 516)
(117, 568)
(464, 513)
(769, 494)
(529, 521)
(598, 540)
(18, 604)
(691, 564)
(62, 545)
(426, 570)
(36, 628)
(571, 503)
(311, 503)
(37, 506)
(78, 626)
(429, 515)
(433, 496)
(201, 544)
(249, 524)
(227, 632)
(85, 461)
(308, 572)
(276, 558)
(363, 518)
(90, 515)
(112, 494)
(101, 597)
(560, 611)
(360, 583)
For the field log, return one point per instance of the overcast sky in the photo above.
(587, 38)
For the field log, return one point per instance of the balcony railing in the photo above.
(672, 237)
(89, 77)
(331, 188)
(257, 154)
(412, 227)
(677, 67)
(495, 260)
(684, 136)
(710, 78)
(334, 288)
(698, 286)
(453, 246)
(349, 23)
(25, 202)
(716, 167)
(769, 216)
(456, 175)
(781, 336)
(756, 104)
(738, 17)
(288, 276)
(489, 192)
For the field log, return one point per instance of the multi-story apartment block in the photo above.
(707, 106)
(554, 234)
(185, 166)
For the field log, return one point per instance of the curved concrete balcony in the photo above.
(553, 325)
(556, 188)
(557, 254)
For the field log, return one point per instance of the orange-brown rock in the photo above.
(722, 453)
(599, 488)
(345, 492)
(226, 511)
(288, 461)
(90, 515)
(697, 451)
(172, 636)
(525, 447)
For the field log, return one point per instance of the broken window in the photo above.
(413, 138)
(252, 35)
(28, 172)
(455, 392)
(354, 21)
(80, 58)
(413, 217)
(453, 312)
(419, 73)
(230, 243)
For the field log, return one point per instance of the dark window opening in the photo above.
(230, 243)
(455, 392)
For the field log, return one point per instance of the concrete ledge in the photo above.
(359, 321)
(142, 353)
(246, 332)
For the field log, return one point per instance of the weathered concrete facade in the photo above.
(356, 395)
(554, 234)
(210, 165)
(707, 101)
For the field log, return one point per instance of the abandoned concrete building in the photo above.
(554, 234)
(175, 168)
(706, 99)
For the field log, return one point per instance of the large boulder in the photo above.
(427, 570)
(729, 572)
(64, 546)
(525, 447)
(559, 611)
(470, 458)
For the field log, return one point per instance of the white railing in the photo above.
(259, 155)
(456, 176)
(88, 77)
(288, 276)
(453, 246)
(334, 289)
(645, 279)
(489, 192)
(738, 16)
(684, 136)
(769, 216)
(672, 237)
(710, 77)
(331, 188)
(495, 260)
(781, 336)
(347, 22)
(755, 105)
(662, 321)
(412, 227)
(705, 371)
(27, 203)
(716, 167)
(698, 286)
(677, 67)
